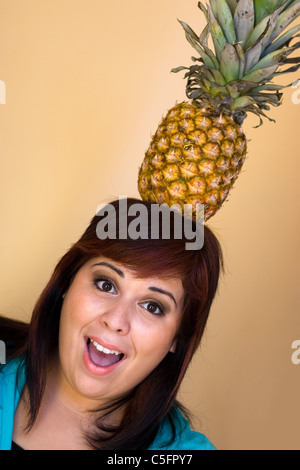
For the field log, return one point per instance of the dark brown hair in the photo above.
(153, 399)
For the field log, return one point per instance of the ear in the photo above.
(173, 347)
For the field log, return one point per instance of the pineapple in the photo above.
(199, 147)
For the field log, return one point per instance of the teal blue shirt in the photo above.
(12, 381)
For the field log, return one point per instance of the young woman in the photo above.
(110, 339)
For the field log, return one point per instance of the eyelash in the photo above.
(157, 305)
(98, 279)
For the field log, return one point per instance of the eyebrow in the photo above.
(120, 273)
(111, 266)
(162, 291)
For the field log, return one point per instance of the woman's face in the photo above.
(115, 328)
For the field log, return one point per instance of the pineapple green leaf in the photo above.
(252, 56)
(287, 3)
(179, 69)
(258, 32)
(272, 59)
(216, 90)
(218, 77)
(232, 91)
(194, 41)
(204, 43)
(188, 30)
(272, 98)
(225, 20)
(282, 40)
(264, 30)
(232, 5)
(244, 19)
(196, 94)
(285, 18)
(214, 7)
(258, 76)
(264, 8)
(207, 75)
(273, 21)
(217, 34)
(243, 101)
(269, 87)
(241, 56)
(229, 63)
(204, 36)
(240, 87)
(251, 47)
(203, 9)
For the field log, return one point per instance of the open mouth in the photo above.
(101, 356)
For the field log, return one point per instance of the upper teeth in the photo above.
(105, 350)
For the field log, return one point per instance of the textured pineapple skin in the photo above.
(194, 157)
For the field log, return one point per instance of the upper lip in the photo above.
(105, 344)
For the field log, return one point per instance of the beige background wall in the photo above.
(87, 82)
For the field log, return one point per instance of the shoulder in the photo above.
(12, 376)
(12, 367)
(12, 381)
(185, 438)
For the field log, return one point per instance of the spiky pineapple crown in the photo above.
(250, 49)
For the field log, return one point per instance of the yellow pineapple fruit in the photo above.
(199, 147)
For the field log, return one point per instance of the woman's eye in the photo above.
(153, 307)
(105, 285)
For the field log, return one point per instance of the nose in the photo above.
(117, 318)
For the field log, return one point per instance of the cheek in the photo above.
(152, 346)
(150, 349)
(65, 331)
(153, 341)
(76, 308)
(72, 319)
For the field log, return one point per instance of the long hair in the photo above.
(152, 400)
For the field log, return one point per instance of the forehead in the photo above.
(134, 271)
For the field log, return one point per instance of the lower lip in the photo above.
(93, 368)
